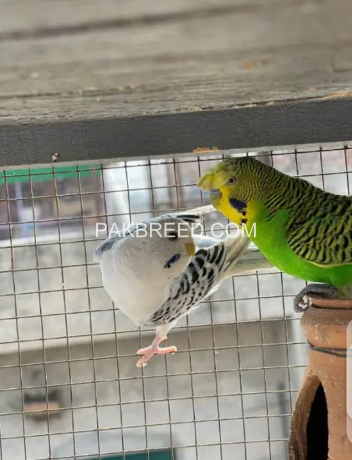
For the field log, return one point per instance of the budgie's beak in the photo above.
(212, 181)
(191, 248)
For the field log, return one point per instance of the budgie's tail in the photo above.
(235, 247)
(243, 256)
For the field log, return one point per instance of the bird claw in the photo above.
(322, 290)
(151, 351)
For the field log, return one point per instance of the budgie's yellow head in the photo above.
(234, 184)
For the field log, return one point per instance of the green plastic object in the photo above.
(44, 174)
(157, 455)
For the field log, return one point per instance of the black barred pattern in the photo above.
(189, 218)
(250, 175)
(192, 285)
(320, 226)
(322, 233)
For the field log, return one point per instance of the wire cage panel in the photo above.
(69, 385)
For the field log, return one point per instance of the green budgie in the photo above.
(301, 229)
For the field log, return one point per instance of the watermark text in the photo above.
(173, 230)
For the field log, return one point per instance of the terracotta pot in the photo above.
(321, 401)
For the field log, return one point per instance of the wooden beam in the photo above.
(294, 123)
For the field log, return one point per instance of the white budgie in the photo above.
(157, 276)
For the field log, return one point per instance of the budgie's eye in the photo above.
(231, 181)
(172, 236)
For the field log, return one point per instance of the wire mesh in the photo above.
(69, 385)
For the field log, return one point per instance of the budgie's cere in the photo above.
(158, 278)
(301, 229)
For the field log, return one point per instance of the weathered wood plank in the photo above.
(20, 18)
(265, 54)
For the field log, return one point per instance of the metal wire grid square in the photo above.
(227, 393)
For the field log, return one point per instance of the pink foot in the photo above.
(153, 350)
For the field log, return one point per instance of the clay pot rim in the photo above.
(343, 304)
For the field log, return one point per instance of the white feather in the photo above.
(135, 278)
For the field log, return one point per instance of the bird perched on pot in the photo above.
(160, 270)
(301, 229)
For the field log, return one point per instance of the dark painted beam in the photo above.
(290, 123)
